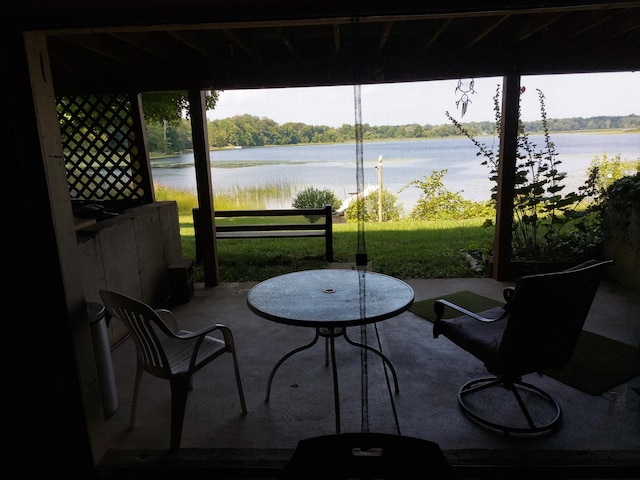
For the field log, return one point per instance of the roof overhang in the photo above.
(156, 46)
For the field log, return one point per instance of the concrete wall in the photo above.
(131, 254)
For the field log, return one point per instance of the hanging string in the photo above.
(361, 252)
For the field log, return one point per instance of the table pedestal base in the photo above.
(330, 352)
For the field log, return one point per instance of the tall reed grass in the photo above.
(246, 197)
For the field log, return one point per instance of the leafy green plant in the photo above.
(438, 203)
(619, 201)
(312, 197)
(391, 211)
(606, 171)
(542, 212)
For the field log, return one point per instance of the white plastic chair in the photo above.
(165, 351)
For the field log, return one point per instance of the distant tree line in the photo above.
(252, 131)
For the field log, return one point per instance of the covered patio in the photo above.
(598, 437)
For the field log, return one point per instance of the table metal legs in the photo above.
(290, 354)
(330, 334)
(380, 354)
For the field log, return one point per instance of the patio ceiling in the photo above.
(249, 44)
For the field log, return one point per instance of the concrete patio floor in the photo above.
(599, 432)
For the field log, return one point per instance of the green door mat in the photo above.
(597, 365)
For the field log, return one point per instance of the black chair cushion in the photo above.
(481, 339)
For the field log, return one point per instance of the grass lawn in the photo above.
(403, 249)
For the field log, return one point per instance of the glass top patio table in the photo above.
(330, 300)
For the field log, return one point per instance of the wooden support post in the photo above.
(506, 176)
(141, 152)
(206, 226)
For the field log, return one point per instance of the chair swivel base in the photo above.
(552, 411)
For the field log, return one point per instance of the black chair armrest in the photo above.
(508, 292)
(439, 309)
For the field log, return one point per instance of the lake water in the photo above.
(333, 167)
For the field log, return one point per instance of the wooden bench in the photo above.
(274, 230)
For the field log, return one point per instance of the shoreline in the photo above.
(613, 131)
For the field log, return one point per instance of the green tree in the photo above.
(155, 137)
(171, 106)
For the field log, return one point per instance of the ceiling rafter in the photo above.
(153, 46)
(285, 36)
(188, 38)
(101, 46)
(336, 39)
(487, 30)
(589, 22)
(625, 22)
(384, 35)
(534, 25)
(431, 35)
(238, 39)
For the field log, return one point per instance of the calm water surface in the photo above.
(334, 166)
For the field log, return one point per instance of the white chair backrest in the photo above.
(142, 322)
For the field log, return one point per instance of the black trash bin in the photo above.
(102, 352)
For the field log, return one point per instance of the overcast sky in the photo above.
(584, 95)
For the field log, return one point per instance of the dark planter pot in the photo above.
(533, 267)
(520, 267)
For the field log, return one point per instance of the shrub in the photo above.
(438, 203)
(390, 210)
(312, 197)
